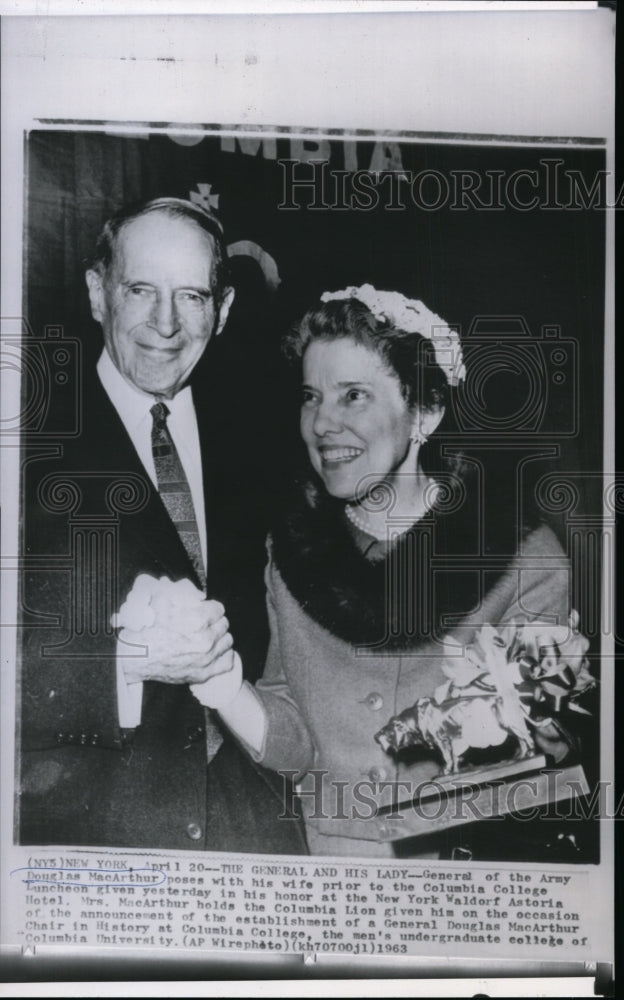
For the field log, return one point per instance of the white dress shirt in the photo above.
(133, 407)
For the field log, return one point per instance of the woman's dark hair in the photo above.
(408, 356)
(174, 208)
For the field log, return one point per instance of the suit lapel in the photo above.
(149, 527)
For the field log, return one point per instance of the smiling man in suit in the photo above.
(115, 750)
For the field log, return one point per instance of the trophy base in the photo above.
(480, 793)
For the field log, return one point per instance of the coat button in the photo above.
(377, 773)
(374, 701)
(96, 739)
(60, 738)
(194, 831)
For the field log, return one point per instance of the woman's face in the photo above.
(354, 419)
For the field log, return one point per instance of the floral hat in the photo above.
(411, 316)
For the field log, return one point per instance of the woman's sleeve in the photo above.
(535, 587)
(287, 742)
(541, 577)
(540, 590)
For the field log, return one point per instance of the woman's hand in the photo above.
(224, 685)
(237, 703)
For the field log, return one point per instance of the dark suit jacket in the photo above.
(92, 523)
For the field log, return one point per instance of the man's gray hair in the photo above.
(176, 208)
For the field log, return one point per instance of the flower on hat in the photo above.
(411, 316)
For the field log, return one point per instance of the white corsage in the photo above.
(411, 316)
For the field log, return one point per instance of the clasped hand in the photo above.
(169, 632)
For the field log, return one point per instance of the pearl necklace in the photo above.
(380, 535)
(360, 523)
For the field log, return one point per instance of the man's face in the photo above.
(155, 304)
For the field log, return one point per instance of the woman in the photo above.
(380, 565)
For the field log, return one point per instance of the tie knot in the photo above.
(160, 412)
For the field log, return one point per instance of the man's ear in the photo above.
(224, 309)
(95, 284)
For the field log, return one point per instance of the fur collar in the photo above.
(441, 567)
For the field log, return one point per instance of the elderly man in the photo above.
(115, 749)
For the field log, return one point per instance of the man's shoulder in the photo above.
(91, 471)
(100, 438)
(73, 419)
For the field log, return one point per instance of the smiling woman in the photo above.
(379, 560)
(361, 424)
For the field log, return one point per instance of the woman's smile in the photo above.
(337, 454)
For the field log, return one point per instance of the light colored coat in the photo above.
(325, 699)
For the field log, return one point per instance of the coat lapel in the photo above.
(145, 526)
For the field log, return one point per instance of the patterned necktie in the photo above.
(176, 495)
(174, 489)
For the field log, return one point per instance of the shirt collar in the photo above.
(131, 404)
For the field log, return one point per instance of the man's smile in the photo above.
(164, 351)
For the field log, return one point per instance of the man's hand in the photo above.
(172, 657)
(169, 632)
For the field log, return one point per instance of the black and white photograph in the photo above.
(375, 383)
(312, 554)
